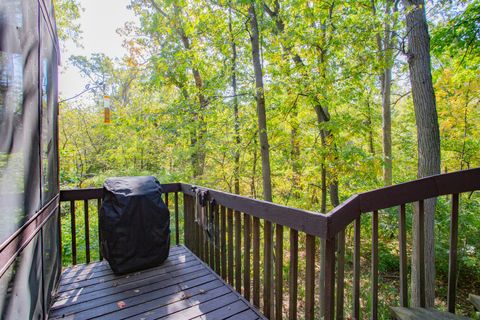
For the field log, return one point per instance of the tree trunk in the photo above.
(385, 56)
(295, 153)
(236, 168)
(386, 94)
(371, 146)
(428, 137)
(387, 127)
(260, 98)
(253, 188)
(262, 122)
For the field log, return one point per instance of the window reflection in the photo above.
(18, 114)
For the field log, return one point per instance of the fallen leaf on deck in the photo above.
(121, 304)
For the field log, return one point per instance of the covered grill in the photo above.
(134, 224)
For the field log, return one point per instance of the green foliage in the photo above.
(67, 13)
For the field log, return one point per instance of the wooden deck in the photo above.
(181, 288)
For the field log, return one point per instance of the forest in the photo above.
(303, 103)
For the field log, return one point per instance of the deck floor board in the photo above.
(181, 288)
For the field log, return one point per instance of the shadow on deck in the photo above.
(181, 288)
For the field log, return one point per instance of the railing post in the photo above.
(187, 232)
(321, 278)
(177, 232)
(330, 278)
(374, 279)
(230, 245)
(452, 263)
(59, 230)
(73, 232)
(279, 271)
(418, 283)
(268, 268)
(246, 261)
(340, 274)
(356, 269)
(99, 206)
(87, 231)
(256, 262)
(223, 241)
(216, 237)
(238, 251)
(293, 275)
(310, 278)
(403, 257)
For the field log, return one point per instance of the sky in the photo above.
(99, 22)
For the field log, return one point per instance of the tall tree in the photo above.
(260, 99)
(236, 124)
(428, 140)
(385, 43)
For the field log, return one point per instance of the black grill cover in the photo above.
(134, 224)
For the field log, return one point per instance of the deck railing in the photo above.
(249, 243)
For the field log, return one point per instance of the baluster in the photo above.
(256, 262)
(238, 252)
(59, 230)
(403, 257)
(187, 232)
(198, 235)
(177, 232)
(74, 232)
(230, 245)
(267, 279)
(166, 203)
(211, 239)
(223, 242)
(310, 277)
(278, 271)
(166, 199)
(452, 262)
(374, 280)
(293, 275)
(329, 278)
(321, 278)
(420, 251)
(192, 228)
(356, 269)
(99, 206)
(205, 241)
(216, 236)
(246, 259)
(87, 231)
(199, 232)
(340, 273)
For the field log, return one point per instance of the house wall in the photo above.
(29, 228)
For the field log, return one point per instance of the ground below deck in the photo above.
(181, 288)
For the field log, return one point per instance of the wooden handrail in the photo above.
(309, 222)
(408, 192)
(96, 193)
